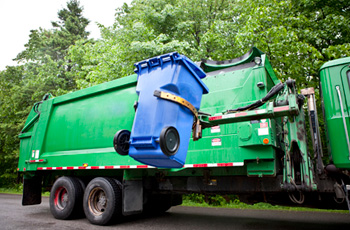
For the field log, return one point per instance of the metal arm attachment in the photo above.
(197, 128)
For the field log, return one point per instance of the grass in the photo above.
(11, 190)
(18, 190)
(236, 204)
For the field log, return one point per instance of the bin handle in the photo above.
(344, 121)
(177, 99)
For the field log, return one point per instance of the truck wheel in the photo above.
(121, 142)
(66, 198)
(102, 201)
(169, 140)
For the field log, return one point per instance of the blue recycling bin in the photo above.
(162, 129)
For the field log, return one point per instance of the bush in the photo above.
(213, 200)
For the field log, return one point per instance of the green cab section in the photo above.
(335, 86)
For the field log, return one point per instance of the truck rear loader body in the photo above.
(248, 138)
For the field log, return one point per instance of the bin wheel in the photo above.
(121, 142)
(169, 140)
(66, 198)
(103, 201)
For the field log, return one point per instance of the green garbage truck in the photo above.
(242, 131)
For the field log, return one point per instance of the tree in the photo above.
(150, 28)
(298, 36)
(55, 42)
(45, 69)
(8, 125)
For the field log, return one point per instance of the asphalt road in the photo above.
(15, 216)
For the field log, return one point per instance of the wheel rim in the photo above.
(61, 198)
(124, 142)
(171, 139)
(97, 201)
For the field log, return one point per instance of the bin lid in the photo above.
(197, 72)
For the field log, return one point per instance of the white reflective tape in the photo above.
(188, 166)
(229, 115)
(37, 154)
(260, 111)
(136, 166)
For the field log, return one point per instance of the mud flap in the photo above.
(32, 191)
(132, 197)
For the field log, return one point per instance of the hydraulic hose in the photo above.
(274, 90)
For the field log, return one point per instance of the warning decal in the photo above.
(216, 142)
(215, 129)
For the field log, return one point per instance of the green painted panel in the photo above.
(229, 143)
(25, 151)
(334, 74)
(78, 128)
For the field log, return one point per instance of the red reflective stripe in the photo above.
(282, 108)
(34, 161)
(240, 114)
(142, 166)
(215, 118)
(225, 164)
(135, 166)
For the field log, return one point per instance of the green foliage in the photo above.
(55, 42)
(213, 200)
(150, 28)
(45, 69)
(232, 201)
(298, 36)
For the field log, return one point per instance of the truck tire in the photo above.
(102, 201)
(66, 198)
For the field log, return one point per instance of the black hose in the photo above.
(274, 90)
